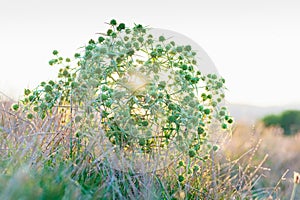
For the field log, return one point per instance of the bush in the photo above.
(271, 120)
(126, 96)
(145, 94)
(288, 120)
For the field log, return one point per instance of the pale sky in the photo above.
(255, 44)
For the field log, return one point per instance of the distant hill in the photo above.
(250, 114)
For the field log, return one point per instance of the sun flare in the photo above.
(137, 81)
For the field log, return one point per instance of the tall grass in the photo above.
(283, 155)
(44, 159)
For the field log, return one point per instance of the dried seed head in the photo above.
(296, 178)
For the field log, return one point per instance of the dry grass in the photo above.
(283, 154)
(36, 163)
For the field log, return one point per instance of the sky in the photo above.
(254, 44)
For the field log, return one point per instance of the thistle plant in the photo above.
(145, 94)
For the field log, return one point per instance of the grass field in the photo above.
(282, 155)
(36, 163)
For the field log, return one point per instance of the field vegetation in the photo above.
(131, 117)
(279, 152)
(251, 163)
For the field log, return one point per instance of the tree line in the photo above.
(288, 120)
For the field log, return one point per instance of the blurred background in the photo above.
(254, 45)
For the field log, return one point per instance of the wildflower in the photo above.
(100, 39)
(30, 116)
(55, 52)
(181, 163)
(161, 38)
(109, 32)
(180, 178)
(207, 111)
(113, 22)
(224, 126)
(145, 123)
(121, 27)
(15, 107)
(192, 153)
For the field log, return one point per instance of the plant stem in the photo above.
(294, 192)
(71, 124)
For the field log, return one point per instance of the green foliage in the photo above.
(28, 182)
(288, 120)
(145, 94)
(271, 120)
(123, 78)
